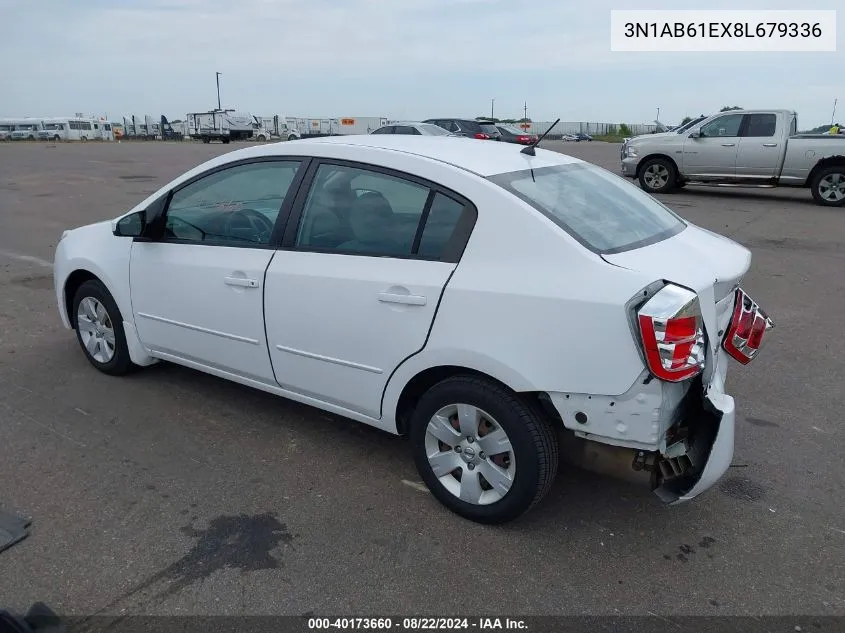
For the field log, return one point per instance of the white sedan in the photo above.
(482, 300)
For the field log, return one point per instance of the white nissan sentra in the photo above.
(485, 302)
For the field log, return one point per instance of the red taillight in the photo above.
(672, 334)
(481, 136)
(745, 333)
(524, 139)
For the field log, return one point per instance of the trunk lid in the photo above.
(703, 261)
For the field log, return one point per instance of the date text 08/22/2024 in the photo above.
(416, 624)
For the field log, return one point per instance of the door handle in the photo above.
(770, 144)
(241, 281)
(728, 144)
(411, 300)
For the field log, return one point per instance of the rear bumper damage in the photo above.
(677, 440)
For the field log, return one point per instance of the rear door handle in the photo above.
(241, 281)
(728, 144)
(770, 144)
(412, 300)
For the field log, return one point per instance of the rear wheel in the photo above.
(484, 453)
(292, 137)
(99, 329)
(658, 175)
(828, 186)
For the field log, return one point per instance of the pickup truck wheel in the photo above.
(828, 186)
(483, 451)
(658, 175)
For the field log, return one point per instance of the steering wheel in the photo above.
(257, 221)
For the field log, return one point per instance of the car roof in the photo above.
(484, 158)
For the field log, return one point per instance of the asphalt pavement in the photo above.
(173, 492)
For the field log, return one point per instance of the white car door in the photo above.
(197, 289)
(714, 152)
(355, 288)
(760, 147)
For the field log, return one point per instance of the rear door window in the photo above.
(760, 125)
(602, 211)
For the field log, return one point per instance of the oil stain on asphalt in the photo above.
(241, 542)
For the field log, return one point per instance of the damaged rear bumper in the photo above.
(679, 444)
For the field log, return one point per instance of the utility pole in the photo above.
(218, 90)
(492, 103)
(658, 114)
(833, 114)
(525, 111)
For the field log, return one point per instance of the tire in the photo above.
(96, 296)
(226, 141)
(84, 139)
(261, 138)
(57, 138)
(292, 137)
(828, 186)
(529, 468)
(658, 175)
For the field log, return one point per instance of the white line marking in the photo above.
(838, 530)
(415, 485)
(26, 258)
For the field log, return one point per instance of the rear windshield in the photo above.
(489, 128)
(433, 130)
(604, 212)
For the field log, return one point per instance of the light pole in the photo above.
(658, 114)
(833, 114)
(218, 90)
(492, 103)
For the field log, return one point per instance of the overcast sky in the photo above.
(393, 58)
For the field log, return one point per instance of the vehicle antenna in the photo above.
(530, 149)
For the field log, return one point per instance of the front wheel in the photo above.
(292, 137)
(658, 175)
(483, 452)
(99, 329)
(828, 186)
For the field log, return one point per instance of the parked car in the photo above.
(413, 128)
(741, 147)
(483, 130)
(569, 137)
(583, 137)
(368, 276)
(513, 134)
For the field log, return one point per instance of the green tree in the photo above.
(727, 108)
(686, 120)
(624, 130)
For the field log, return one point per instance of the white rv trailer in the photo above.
(361, 124)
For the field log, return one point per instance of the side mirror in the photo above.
(696, 134)
(131, 225)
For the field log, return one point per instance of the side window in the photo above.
(727, 125)
(387, 129)
(404, 129)
(760, 125)
(440, 226)
(355, 210)
(235, 206)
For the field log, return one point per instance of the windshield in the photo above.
(601, 210)
(512, 129)
(433, 130)
(695, 121)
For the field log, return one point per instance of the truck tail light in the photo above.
(481, 136)
(672, 334)
(748, 325)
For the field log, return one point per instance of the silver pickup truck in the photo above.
(745, 148)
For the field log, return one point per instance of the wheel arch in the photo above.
(72, 283)
(649, 157)
(426, 378)
(836, 159)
